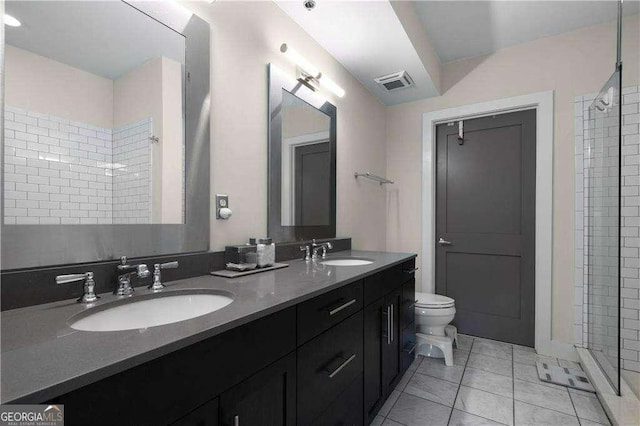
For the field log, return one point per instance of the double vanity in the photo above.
(323, 341)
(313, 343)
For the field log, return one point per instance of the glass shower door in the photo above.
(602, 227)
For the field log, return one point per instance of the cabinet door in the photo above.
(205, 415)
(373, 331)
(408, 303)
(266, 398)
(345, 410)
(391, 340)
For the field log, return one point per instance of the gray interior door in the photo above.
(312, 195)
(485, 224)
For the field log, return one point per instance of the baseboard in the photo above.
(622, 410)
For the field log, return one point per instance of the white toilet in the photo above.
(435, 337)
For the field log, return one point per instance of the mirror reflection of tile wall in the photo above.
(94, 116)
(63, 172)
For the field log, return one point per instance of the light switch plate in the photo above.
(222, 201)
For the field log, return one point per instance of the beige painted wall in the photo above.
(39, 84)
(246, 36)
(303, 119)
(155, 89)
(571, 64)
(173, 142)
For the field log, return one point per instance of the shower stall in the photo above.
(602, 219)
(610, 228)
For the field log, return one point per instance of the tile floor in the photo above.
(491, 383)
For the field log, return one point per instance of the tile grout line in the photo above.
(461, 378)
(402, 391)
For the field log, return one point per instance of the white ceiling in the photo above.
(107, 38)
(462, 29)
(367, 38)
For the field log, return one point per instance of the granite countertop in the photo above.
(42, 357)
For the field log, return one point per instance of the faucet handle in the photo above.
(71, 278)
(157, 276)
(169, 265)
(89, 295)
(307, 252)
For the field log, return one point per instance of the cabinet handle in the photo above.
(341, 307)
(388, 325)
(411, 349)
(341, 366)
(410, 271)
(236, 421)
(392, 322)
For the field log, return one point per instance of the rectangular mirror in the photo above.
(93, 135)
(302, 161)
(105, 127)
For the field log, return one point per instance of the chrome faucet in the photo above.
(320, 246)
(157, 277)
(124, 280)
(89, 295)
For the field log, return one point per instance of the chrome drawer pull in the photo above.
(410, 271)
(236, 421)
(343, 365)
(341, 307)
(392, 322)
(413, 348)
(388, 325)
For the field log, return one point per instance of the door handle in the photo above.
(444, 242)
(236, 421)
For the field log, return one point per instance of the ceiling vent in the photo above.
(395, 81)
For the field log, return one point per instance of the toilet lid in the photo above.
(428, 300)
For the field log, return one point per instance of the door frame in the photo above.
(542, 102)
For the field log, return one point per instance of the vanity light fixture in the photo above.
(11, 21)
(310, 75)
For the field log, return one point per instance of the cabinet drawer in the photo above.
(409, 270)
(382, 283)
(407, 347)
(323, 312)
(326, 367)
(345, 410)
(408, 302)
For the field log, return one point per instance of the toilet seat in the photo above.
(433, 301)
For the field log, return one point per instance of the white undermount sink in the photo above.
(347, 261)
(151, 310)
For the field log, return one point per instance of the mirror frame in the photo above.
(30, 246)
(279, 81)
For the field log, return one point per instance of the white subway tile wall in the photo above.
(61, 172)
(603, 273)
(132, 183)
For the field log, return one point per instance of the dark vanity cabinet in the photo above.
(387, 330)
(331, 360)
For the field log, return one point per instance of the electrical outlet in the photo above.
(222, 202)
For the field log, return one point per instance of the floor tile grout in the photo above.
(473, 341)
(460, 384)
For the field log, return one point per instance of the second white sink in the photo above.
(151, 310)
(347, 262)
